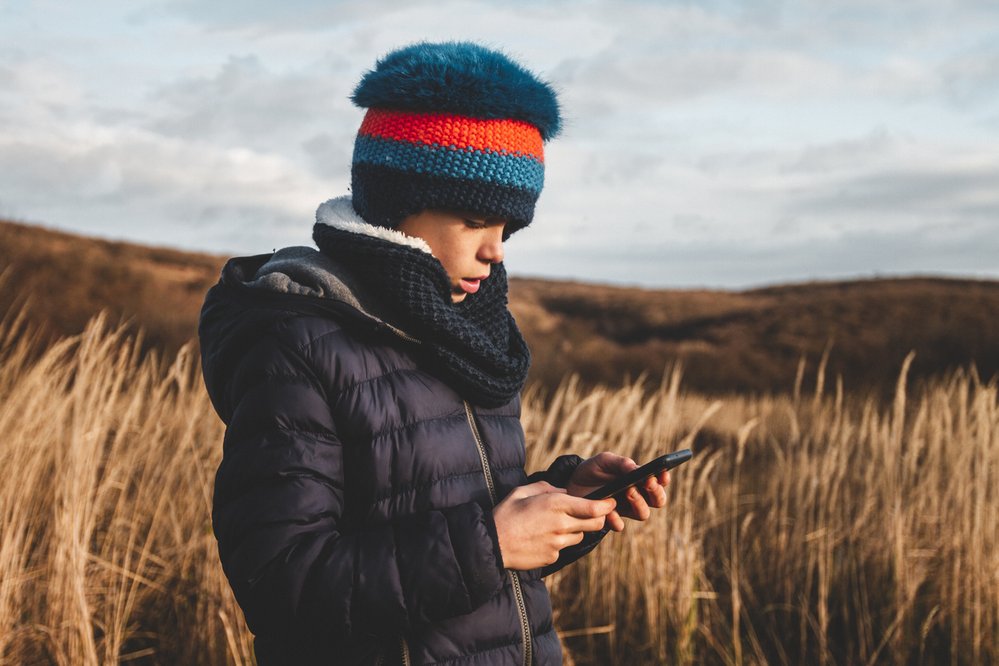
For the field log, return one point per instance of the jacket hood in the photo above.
(256, 293)
(305, 271)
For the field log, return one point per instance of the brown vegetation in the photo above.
(728, 341)
(819, 528)
(752, 340)
(66, 279)
(846, 525)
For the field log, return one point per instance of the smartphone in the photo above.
(636, 476)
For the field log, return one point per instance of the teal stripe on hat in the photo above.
(524, 172)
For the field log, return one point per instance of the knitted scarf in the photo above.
(475, 345)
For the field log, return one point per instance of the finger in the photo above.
(655, 495)
(615, 521)
(577, 507)
(570, 525)
(664, 478)
(659, 501)
(587, 524)
(656, 499)
(638, 508)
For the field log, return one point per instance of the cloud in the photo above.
(260, 16)
(38, 91)
(211, 162)
(121, 200)
(707, 143)
(714, 263)
(842, 155)
(922, 183)
(129, 183)
(243, 103)
(971, 77)
(880, 183)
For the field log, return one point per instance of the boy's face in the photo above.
(465, 243)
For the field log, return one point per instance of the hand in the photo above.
(636, 503)
(536, 521)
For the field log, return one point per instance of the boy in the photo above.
(371, 506)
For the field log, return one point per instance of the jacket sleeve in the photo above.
(558, 474)
(278, 514)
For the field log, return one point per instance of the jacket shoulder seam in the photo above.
(303, 346)
(318, 434)
(314, 377)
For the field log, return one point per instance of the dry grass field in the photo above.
(818, 527)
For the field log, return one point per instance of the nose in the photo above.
(491, 249)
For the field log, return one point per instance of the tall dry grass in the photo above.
(808, 528)
(106, 551)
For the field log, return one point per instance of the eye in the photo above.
(475, 224)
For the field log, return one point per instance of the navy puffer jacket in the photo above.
(353, 504)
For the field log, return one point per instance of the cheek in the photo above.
(451, 264)
(458, 260)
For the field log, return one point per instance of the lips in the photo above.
(471, 285)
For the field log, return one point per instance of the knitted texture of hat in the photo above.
(474, 346)
(451, 126)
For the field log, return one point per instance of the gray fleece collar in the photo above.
(306, 271)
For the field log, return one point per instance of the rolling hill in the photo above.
(728, 341)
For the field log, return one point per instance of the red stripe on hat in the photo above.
(445, 129)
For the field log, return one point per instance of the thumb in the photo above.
(616, 465)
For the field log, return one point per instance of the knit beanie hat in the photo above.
(451, 126)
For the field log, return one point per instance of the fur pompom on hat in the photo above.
(455, 126)
(462, 78)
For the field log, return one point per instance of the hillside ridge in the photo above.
(727, 340)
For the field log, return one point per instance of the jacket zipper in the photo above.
(403, 651)
(518, 593)
(486, 471)
(525, 626)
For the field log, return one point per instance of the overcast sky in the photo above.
(706, 144)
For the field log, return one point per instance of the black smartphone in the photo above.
(636, 476)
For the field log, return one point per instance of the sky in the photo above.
(706, 144)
